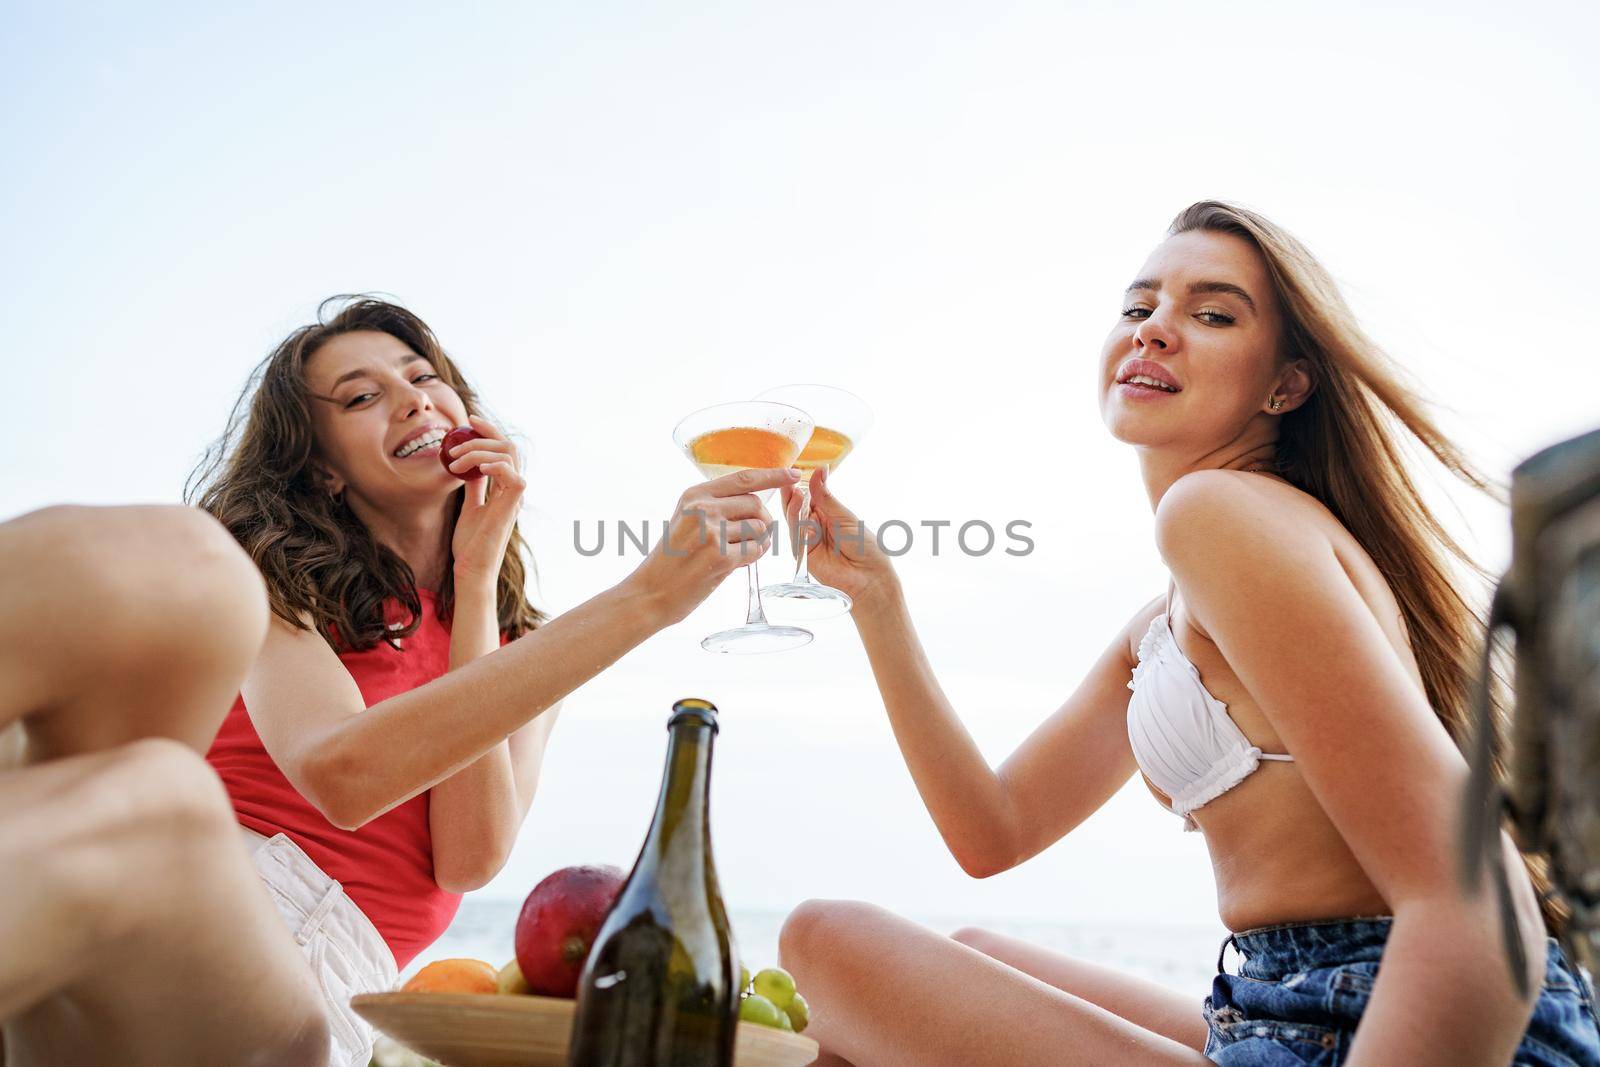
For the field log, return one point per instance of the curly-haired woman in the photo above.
(386, 743)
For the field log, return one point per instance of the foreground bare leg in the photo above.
(138, 933)
(885, 992)
(135, 930)
(1150, 1004)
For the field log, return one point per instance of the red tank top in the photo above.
(386, 867)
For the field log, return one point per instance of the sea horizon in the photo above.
(1181, 956)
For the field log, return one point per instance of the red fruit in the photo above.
(558, 925)
(453, 438)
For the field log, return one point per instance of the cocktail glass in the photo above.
(733, 437)
(842, 419)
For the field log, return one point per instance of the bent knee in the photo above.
(128, 838)
(977, 937)
(159, 586)
(819, 928)
(211, 597)
(161, 789)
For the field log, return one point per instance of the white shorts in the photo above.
(346, 952)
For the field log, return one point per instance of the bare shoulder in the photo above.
(1205, 512)
(297, 679)
(290, 648)
(283, 634)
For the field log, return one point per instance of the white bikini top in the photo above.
(1183, 738)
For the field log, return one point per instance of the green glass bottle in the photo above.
(660, 987)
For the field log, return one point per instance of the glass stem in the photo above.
(755, 616)
(802, 572)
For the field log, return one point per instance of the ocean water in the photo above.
(1183, 958)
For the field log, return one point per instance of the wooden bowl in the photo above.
(488, 1030)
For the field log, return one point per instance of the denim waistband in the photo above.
(1271, 952)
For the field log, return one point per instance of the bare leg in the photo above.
(135, 929)
(139, 934)
(122, 623)
(1150, 1004)
(885, 992)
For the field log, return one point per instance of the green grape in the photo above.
(758, 1009)
(776, 984)
(744, 978)
(799, 1013)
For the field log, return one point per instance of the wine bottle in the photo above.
(659, 988)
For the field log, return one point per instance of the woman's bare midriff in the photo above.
(1278, 859)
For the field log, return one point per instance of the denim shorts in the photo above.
(1302, 987)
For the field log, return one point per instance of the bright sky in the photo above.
(613, 214)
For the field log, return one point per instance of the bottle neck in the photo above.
(683, 809)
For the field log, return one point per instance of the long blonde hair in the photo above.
(1346, 446)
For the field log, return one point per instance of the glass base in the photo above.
(808, 600)
(756, 637)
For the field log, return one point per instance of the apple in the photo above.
(558, 924)
(459, 435)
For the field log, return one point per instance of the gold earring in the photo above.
(1274, 403)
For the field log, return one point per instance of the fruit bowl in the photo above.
(485, 1030)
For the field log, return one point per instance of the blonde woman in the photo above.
(1298, 696)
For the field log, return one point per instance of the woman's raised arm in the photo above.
(354, 767)
(1065, 770)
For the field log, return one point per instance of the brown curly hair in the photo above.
(323, 568)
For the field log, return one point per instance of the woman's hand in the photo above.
(489, 509)
(843, 552)
(717, 527)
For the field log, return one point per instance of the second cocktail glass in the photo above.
(732, 437)
(842, 419)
